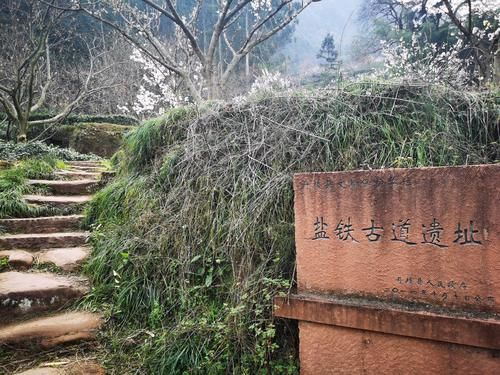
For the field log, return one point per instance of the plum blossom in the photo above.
(426, 63)
(158, 90)
(451, 63)
(269, 81)
(258, 5)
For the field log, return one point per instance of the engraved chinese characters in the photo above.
(400, 232)
(360, 232)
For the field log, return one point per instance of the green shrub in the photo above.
(20, 151)
(196, 234)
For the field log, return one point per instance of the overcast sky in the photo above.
(319, 19)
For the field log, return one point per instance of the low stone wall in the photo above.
(97, 138)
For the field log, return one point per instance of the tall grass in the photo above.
(13, 186)
(195, 235)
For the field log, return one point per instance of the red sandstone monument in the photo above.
(398, 271)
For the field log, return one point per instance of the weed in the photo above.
(4, 263)
(13, 185)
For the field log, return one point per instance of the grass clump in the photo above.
(196, 234)
(13, 185)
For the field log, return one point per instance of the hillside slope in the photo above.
(195, 235)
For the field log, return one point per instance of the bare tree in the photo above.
(28, 37)
(391, 11)
(200, 51)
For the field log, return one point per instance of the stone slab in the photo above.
(70, 368)
(18, 259)
(427, 236)
(88, 163)
(24, 293)
(66, 258)
(391, 319)
(66, 186)
(36, 241)
(88, 168)
(52, 331)
(58, 200)
(48, 224)
(77, 175)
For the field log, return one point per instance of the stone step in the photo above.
(88, 168)
(67, 367)
(37, 241)
(77, 175)
(84, 163)
(18, 259)
(61, 201)
(66, 187)
(47, 224)
(52, 331)
(24, 293)
(68, 258)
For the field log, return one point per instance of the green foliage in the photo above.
(328, 51)
(20, 151)
(11, 179)
(37, 169)
(141, 145)
(4, 263)
(13, 186)
(12, 204)
(196, 234)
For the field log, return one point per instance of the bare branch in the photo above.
(236, 10)
(133, 41)
(192, 40)
(9, 109)
(219, 26)
(249, 44)
(196, 14)
(229, 44)
(265, 20)
(161, 10)
(455, 19)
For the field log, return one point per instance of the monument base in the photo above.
(328, 349)
(363, 337)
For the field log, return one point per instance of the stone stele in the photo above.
(424, 235)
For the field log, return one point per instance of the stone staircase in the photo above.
(42, 282)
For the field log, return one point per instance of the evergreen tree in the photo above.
(328, 52)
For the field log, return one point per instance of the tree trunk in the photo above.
(8, 132)
(22, 128)
(213, 85)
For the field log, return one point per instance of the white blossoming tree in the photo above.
(452, 41)
(158, 90)
(201, 54)
(476, 24)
